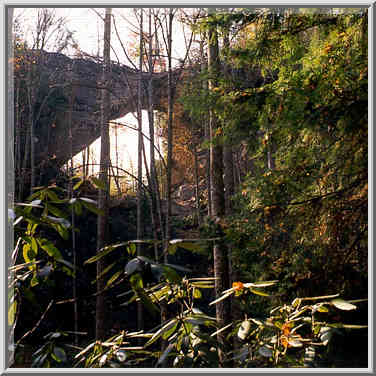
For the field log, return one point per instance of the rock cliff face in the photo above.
(72, 87)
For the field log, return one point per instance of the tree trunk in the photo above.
(218, 198)
(169, 130)
(206, 130)
(155, 202)
(102, 227)
(140, 225)
(197, 187)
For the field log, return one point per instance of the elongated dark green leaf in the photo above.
(163, 357)
(137, 284)
(34, 245)
(34, 281)
(159, 333)
(259, 292)
(50, 248)
(52, 195)
(18, 220)
(244, 329)
(197, 293)
(39, 360)
(178, 267)
(58, 220)
(104, 272)
(170, 274)
(131, 249)
(133, 266)
(88, 200)
(98, 183)
(77, 207)
(92, 207)
(28, 254)
(62, 231)
(168, 333)
(56, 211)
(60, 355)
(78, 185)
(343, 305)
(12, 312)
(188, 244)
(172, 249)
(104, 251)
(114, 278)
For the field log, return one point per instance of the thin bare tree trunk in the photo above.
(169, 129)
(31, 99)
(140, 225)
(153, 176)
(206, 129)
(71, 195)
(197, 188)
(218, 199)
(102, 228)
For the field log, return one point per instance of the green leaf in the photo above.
(34, 245)
(78, 185)
(137, 282)
(244, 329)
(62, 231)
(49, 247)
(33, 204)
(131, 249)
(39, 360)
(56, 211)
(34, 281)
(99, 183)
(343, 305)
(260, 284)
(104, 251)
(77, 207)
(325, 334)
(133, 266)
(28, 254)
(114, 278)
(170, 274)
(178, 267)
(197, 293)
(172, 249)
(258, 292)
(60, 354)
(322, 308)
(58, 220)
(12, 312)
(170, 324)
(168, 333)
(90, 206)
(221, 298)
(265, 351)
(52, 195)
(165, 353)
(105, 271)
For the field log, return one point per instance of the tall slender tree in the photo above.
(169, 125)
(102, 226)
(140, 224)
(217, 190)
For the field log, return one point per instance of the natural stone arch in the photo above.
(76, 85)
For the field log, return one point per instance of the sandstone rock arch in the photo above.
(75, 84)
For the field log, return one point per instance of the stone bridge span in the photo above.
(71, 87)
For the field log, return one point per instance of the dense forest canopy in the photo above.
(242, 240)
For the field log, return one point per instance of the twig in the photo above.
(37, 324)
